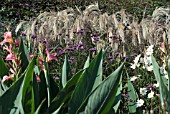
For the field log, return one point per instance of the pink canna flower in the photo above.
(7, 35)
(38, 79)
(5, 78)
(31, 55)
(10, 57)
(7, 38)
(51, 57)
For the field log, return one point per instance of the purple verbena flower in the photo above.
(33, 36)
(92, 49)
(117, 53)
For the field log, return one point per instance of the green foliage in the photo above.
(66, 72)
(132, 96)
(24, 55)
(19, 98)
(163, 88)
(80, 91)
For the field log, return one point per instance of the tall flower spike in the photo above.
(51, 57)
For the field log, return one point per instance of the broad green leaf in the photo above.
(24, 55)
(19, 94)
(66, 72)
(65, 94)
(85, 84)
(132, 95)
(3, 71)
(3, 68)
(118, 97)
(100, 72)
(101, 100)
(27, 89)
(36, 92)
(43, 92)
(47, 79)
(39, 107)
(87, 63)
(54, 87)
(162, 88)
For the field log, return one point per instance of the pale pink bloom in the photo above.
(51, 57)
(12, 70)
(5, 78)
(7, 35)
(10, 57)
(38, 79)
(7, 38)
(31, 55)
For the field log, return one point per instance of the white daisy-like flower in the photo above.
(139, 102)
(143, 91)
(133, 78)
(136, 62)
(133, 66)
(137, 59)
(151, 95)
(149, 50)
(150, 68)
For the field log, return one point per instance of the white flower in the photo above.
(143, 91)
(150, 68)
(137, 59)
(133, 78)
(147, 60)
(151, 94)
(133, 66)
(139, 103)
(156, 85)
(136, 62)
(149, 50)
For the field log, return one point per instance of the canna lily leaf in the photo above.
(20, 95)
(3, 69)
(24, 55)
(85, 84)
(100, 72)
(65, 94)
(101, 99)
(66, 72)
(118, 97)
(162, 88)
(87, 63)
(132, 96)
